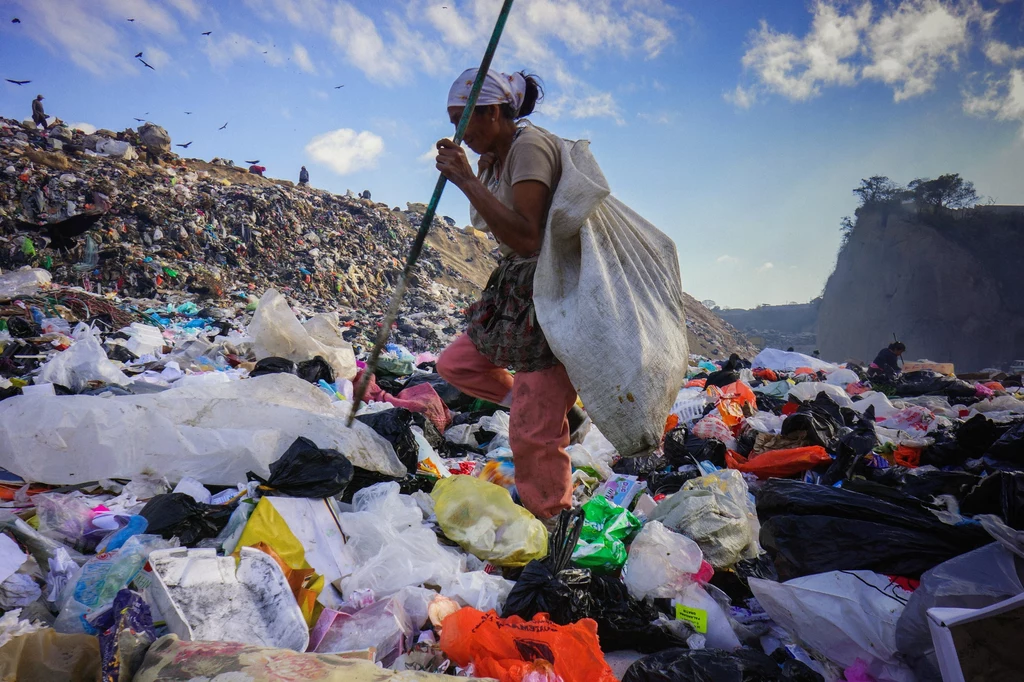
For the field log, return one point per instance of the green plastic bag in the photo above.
(607, 528)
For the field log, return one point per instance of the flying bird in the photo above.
(253, 162)
(138, 55)
(62, 234)
(208, 33)
(131, 20)
(17, 82)
(15, 20)
(224, 126)
(338, 87)
(141, 120)
(145, 64)
(188, 113)
(184, 146)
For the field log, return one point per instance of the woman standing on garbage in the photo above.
(519, 169)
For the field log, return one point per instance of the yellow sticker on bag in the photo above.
(698, 618)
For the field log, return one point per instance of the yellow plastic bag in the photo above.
(268, 529)
(482, 518)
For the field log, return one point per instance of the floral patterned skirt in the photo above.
(503, 324)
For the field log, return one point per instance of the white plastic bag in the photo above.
(719, 633)
(276, 332)
(842, 377)
(24, 282)
(809, 390)
(660, 563)
(788, 361)
(478, 589)
(843, 615)
(83, 362)
(716, 512)
(215, 434)
(607, 286)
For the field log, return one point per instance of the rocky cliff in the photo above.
(947, 284)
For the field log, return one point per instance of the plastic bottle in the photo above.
(137, 525)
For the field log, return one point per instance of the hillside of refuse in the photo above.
(213, 233)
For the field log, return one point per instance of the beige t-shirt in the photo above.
(535, 155)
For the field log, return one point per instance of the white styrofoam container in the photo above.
(205, 597)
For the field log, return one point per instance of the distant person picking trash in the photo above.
(303, 177)
(38, 115)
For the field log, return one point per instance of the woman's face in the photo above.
(483, 129)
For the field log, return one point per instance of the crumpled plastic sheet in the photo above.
(83, 362)
(214, 434)
(772, 358)
(24, 282)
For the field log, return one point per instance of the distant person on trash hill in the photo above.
(38, 115)
(887, 362)
(303, 176)
(510, 194)
(257, 170)
(365, 194)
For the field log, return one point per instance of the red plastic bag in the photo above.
(508, 649)
(778, 463)
(907, 456)
(421, 398)
(735, 402)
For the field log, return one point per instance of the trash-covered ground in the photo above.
(185, 500)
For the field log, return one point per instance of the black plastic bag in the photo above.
(821, 419)
(809, 528)
(431, 434)
(769, 403)
(316, 369)
(304, 470)
(394, 425)
(550, 585)
(926, 382)
(273, 365)
(929, 484)
(970, 440)
(640, 466)
(1010, 446)
(623, 622)
(682, 448)
(178, 514)
(1001, 493)
(668, 482)
(716, 665)
(407, 485)
(853, 446)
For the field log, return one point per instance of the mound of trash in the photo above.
(183, 496)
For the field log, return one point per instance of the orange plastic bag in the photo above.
(765, 374)
(804, 370)
(696, 383)
(735, 402)
(907, 456)
(778, 463)
(507, 649)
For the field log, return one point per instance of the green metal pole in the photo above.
(428, 217)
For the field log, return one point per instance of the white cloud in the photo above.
(356, 34)
(915, 41)
(726, 259)
(86, 128)
(301, 56)
(89, 41)
(1002, 100)
(345, 150)
(187, 7)
(225, 50)
(906, 47)
(660, 117)
(765, 267)
(157, 57)
(741, 97)
(148, 16)
(1000, 53)
(796, 68)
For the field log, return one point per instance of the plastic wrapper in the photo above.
(179, 515)
(276, 332)
(305, 470)
(46, 655)
(214, 434)
(18, 591)
(602, 544)
(506, 649)
(845, 616)
(481, 590)
(83, 362)
(713, 665)
(102, 577)
(482, 518)
(127, 632)
(986, 576)
(661, 563)
(716, 512)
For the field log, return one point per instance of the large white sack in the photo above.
(788, 361)
(843, 615)
(213, 433)
(276, 332)
(610, 301)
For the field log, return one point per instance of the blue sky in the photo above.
(738, 127)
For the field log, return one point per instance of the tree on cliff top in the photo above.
(946, 191)
(878, 189)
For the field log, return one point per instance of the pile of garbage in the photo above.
(187, 231)
(183, 497)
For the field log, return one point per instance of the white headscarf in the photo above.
(499, 88)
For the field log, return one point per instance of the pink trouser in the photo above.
(538, 428)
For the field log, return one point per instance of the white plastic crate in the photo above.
(689, 405)
(205, 597)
